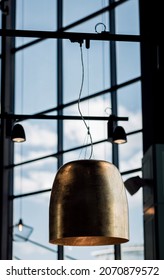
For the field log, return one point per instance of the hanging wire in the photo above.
(79, 99)
(84, 142)
(103, 27)
(88, 89)
(22, 103)
(88, 78)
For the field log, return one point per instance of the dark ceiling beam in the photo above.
(19, 117)
(72, 36)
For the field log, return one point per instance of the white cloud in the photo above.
(40, 135)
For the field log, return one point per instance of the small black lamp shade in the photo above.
(18, 134)
(119, 135)
(133, 184)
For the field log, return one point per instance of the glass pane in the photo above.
(89, 253)
(35, 176)
(36, 15)
(125, 14)
(94, 25)
(129, 105)
(35, 213)
(35, 84)
(30, 250)
(41, 140)
(128, 61)
(74, 10)
(95, 69)
(76, 132)
(101, 151)
(130, 153)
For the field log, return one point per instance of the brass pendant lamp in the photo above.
(88, 205)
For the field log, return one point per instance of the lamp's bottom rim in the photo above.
(88, 241)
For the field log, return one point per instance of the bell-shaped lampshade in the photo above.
(88, 205)
(119, 135)
(18, 134)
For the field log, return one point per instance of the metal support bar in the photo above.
(60, 252)
(19, 117)
(73, 36)
(114, 118)
(6, 146)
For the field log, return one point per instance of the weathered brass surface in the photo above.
(88, 205)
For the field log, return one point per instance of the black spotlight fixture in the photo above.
(133, 184)
(116, 134)
(18, 133)
(119, 135)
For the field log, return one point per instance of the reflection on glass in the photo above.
(35, 176)
(35, 213)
